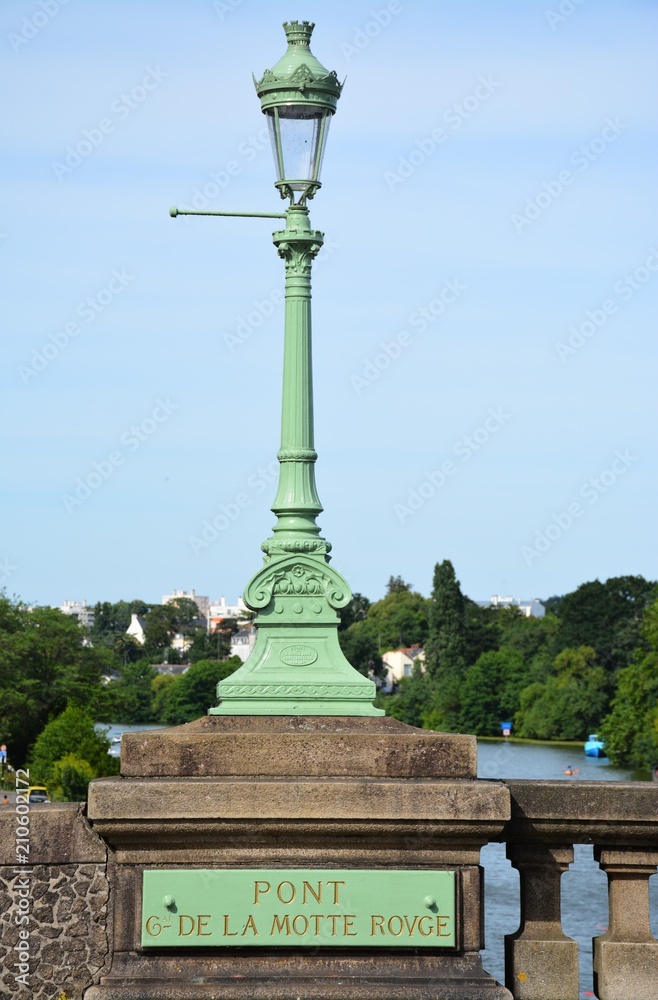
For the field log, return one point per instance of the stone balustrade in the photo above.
(84, 873)
(621, 820)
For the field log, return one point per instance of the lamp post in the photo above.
(296, 666)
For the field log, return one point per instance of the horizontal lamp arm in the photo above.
(243, 215)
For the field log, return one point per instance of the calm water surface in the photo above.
(584, 886)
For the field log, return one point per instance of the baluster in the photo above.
(626, 956)
(541, 962)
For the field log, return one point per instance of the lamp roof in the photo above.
(298, 77)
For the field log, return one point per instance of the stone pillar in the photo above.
(299, 794)
(626, 956)
(541, 962)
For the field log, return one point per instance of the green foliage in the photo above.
(490, 691)
(70, 778)
(70, 732)
(630, 731)
(570, 704)
(446, 645)
(214, 645)
(193, 693)
(606, 616)
(411, 702)
(399, 619)
(44, 665)
(128, 699)
(360, 649)
(356, 611)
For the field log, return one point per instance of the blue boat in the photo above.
(594, 746)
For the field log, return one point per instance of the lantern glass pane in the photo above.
(300, 142)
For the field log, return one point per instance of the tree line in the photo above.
(591, 664)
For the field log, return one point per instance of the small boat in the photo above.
(115, 746)
(594, 746)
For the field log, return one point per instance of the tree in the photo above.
(195, 691)
(360, 649)
(445, 652)
(213, 645)
(186, 616)
(159, 628)
(70, 779)
(606, 616)
(412, 701)
(44, 665)
(128, 700)
(490, 691)
(630, 731)
(355, 611)
(570, 704)
(70, 732)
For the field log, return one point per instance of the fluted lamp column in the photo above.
(297, 666)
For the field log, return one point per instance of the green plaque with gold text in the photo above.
(314, 908)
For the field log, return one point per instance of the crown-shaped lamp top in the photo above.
(298, 77)
(298, 33)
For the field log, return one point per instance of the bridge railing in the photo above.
(620, 819)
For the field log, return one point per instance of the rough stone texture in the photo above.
(626, 956)
(541, 963)
(287, 975)
(211, 798)
(59, 833)
(68, 939)
(581, 812)
(303, 746)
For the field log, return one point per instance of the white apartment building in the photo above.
(79, 610)
(531, 609)
(220, 611)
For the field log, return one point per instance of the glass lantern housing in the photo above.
(298, 97)
(298, 133)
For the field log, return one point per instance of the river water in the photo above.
(584, 886)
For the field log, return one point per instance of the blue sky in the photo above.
(484, 311)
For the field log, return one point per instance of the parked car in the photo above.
(37, 794)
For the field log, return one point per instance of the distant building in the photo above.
(243, 642)
(400, 663)
(201, 602)
(136, 629)
(531, 609)
(219, 612)
(79, 610)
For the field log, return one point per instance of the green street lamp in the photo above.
(297, 666)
